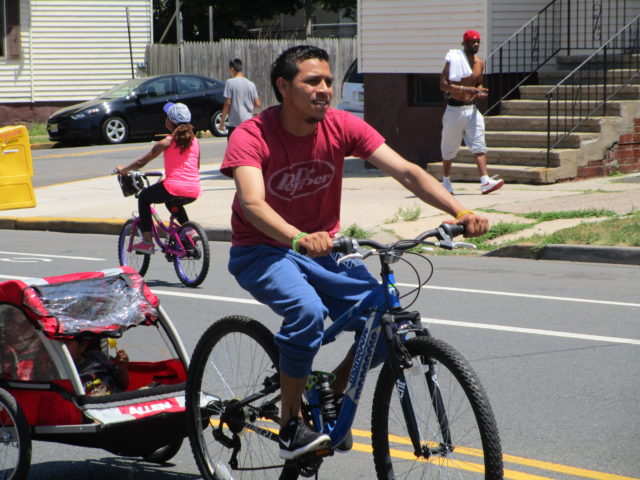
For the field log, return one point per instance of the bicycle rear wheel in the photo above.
(137, 261)
(192, 268)
(235, 358)
(458, 433)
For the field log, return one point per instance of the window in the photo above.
(10, 29)
(213, 84)
(189, 84)
(352, 75)
(2, 35)
(158, 87)
(424, 90)
(23, 356)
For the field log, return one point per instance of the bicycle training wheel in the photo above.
(15, 440)
(458, 433)
(192, 268)
(235, 358)
(129, 236)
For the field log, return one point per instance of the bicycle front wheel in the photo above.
(235, 358)
(130, 235)
(193, 267)
(458, 436)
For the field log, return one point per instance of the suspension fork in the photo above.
(401, 362)
(438, 404)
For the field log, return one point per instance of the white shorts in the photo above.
(458, 123)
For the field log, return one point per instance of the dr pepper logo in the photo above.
(301, 179)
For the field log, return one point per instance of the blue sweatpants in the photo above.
(304, 291)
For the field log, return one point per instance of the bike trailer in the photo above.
(42, 387)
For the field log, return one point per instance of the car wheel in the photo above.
(215, 121)
(115, 130)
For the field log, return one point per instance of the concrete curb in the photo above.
(66, 225)
(89, 225)
(571, 253)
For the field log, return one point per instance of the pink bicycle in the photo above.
(187, 245)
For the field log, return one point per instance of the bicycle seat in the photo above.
(178, 202)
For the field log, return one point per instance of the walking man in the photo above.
(241, 96)
(461, 79)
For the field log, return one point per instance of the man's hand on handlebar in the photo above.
(118, 170)
(474, 224)
(317, 244)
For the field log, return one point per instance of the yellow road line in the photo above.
(93, 152)
(474, 467)
(566, 469)
(110, 150)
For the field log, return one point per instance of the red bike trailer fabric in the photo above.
(101, 303)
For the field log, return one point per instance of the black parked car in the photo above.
(134, 109)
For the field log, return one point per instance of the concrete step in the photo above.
(533, 139)
(510, 174)
(535, 124)
(563, 107)
(569, 62)
(539, 92)
(520, 156)
(614, 75)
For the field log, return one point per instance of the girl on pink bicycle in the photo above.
(182, 172)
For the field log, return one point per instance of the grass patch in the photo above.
(38, 129)
(624, 232)
(497, 230)
(587, 213)
(408, 214)
(356, 231)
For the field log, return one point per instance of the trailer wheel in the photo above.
(165, 453)
(15, 439)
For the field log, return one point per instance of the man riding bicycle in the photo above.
(182, 172)
(287, 164)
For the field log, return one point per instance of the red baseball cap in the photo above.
(470, 35)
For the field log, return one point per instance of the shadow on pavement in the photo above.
(107, 468)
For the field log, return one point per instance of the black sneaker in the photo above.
(296, 439)
(347, 443)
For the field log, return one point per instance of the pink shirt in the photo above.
(182, 175)
(303, 175)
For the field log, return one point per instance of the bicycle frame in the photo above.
(171, 231)
(380, 302)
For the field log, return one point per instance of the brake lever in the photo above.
(360, 255)
(464, 245)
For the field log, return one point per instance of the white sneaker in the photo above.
(491, 186)
(446, 183)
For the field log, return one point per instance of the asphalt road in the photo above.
(68, 164)
(555, 344)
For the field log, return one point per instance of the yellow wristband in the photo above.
(465, 212)
(294, 242)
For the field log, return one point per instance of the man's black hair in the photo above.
(286, 65)
(236, 64)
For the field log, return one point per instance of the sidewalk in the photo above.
(370, 200)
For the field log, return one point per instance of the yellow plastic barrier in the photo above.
(16, 169)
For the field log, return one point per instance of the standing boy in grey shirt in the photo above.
(241, 96)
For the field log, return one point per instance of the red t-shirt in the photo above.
(302, 175)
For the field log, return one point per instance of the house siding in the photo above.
(412, 36)
(508, 16)
(74, 50)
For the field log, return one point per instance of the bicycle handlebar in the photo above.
(444, 235)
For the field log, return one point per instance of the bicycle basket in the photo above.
(132, 183)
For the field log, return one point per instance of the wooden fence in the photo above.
(212, 59)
